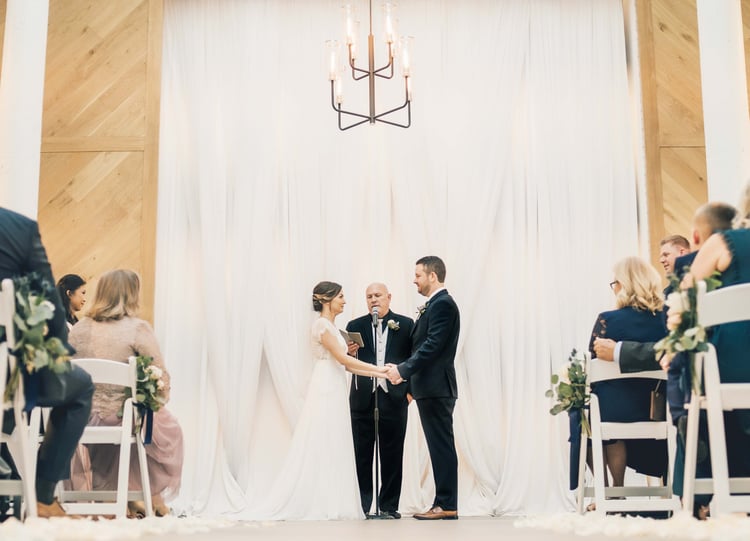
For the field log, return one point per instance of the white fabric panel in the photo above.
(518, 170)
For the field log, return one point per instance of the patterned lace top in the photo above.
(115, 340)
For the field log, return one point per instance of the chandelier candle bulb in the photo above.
(407, 43)
(349, 24)
(332, 58)
(388, 9)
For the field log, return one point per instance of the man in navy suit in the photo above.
(391, 342)
(69, 393)
(432, 379)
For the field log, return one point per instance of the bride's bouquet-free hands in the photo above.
(393, 374)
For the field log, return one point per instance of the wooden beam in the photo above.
(655, 202)
(151, 155)
(93, 144)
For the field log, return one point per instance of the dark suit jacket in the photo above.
(21, 252)
(638, 357)
(430, 367)
(397, 348)
(679, 268)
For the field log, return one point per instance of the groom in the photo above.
(432, 377)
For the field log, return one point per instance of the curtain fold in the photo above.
(518, 170)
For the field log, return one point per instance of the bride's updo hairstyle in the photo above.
(641, 285)
(324, 292)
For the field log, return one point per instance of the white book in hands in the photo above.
(353, 337)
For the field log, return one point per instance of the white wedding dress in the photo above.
(318, 480)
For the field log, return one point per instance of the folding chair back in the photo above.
(22, 441)
(104, 371)
(725, 305)
(632, 497)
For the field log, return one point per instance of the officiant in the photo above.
(389, 342)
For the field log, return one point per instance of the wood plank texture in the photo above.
(98, 178)
(654, 193)
(684, 185)
(678, 75)
(675, 143)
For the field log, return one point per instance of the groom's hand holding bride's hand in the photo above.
(393, 374)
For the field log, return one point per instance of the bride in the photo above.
(318, 480)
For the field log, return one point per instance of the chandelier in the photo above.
(396, 47)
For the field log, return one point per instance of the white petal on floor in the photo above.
(682, 526)
(66, 529)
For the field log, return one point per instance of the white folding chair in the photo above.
(660, 498)
(103, 501)
(22, 441)
(724, 305)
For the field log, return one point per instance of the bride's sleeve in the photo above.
(318, 328)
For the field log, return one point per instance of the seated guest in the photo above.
(72, 290)
(727, 252)
(67, 393)
(636, 356)
(707, 220)
(639, 316)
(112, 331)
(671, 248)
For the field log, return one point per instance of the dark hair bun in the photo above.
(317, 305)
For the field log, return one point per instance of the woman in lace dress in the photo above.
(112, 331)
(318, 480)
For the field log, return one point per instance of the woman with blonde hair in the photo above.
(639, 316)
(112, 330)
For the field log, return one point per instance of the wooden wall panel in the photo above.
(684, 186)
(96, 68)
(678, 75)
(673, 116)
(100, 138)
(94, 201)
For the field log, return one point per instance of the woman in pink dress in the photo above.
(112, 331)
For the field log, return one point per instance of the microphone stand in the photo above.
(378, 515)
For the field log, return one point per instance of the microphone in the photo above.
(374, 316)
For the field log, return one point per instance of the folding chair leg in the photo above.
(145, 482)
(691, 454)
(21, 444)
(581, 494)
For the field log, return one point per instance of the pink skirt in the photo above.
(94, 467)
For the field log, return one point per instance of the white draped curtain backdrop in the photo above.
(518, 171)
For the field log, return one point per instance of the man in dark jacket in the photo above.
(68, 393)
(431, 374)
(388, 341)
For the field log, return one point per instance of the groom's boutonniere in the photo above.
(420, 310)
(393, 325)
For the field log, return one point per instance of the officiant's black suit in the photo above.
(69, 393)
(392, 407)
(431, 374)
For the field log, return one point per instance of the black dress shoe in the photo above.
(392, 514)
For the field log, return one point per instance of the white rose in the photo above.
(677, 302)
(155, 371)
(160, 384)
